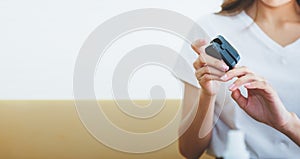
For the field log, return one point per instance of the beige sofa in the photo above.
(52, 129)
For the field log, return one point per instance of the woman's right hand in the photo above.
(208, 70)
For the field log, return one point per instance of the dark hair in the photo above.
(232, 7)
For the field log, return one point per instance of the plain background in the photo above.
(40, 40)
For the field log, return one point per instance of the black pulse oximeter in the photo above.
(221, 49)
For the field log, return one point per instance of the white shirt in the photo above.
(280, 66)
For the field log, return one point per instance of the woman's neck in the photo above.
(280, 23)
(261, 12)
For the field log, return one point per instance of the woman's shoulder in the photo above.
(213, 17)
(215, 23)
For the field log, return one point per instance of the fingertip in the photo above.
(198, 43)
(239, 98)
(247, 85)
(224, 77)
(235, 66)
(225, 67)
(232, 87)
(235, 94)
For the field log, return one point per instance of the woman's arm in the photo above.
(263, 103)
(198, 104)
(292, 129)
(195, 120)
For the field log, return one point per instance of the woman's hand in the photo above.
(208, 69)
(263, 104)
(197, 124)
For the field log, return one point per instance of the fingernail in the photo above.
(224, 77)
(225, 67)
(247, 84)
(231, 86)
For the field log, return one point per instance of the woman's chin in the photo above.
(275, 3)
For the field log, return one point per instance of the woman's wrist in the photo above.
(207, 94)
(292, 128)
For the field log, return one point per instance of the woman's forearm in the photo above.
(195, 139)
(292, 129)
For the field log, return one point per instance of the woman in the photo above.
(262, 96)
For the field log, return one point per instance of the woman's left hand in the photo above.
(263, 103)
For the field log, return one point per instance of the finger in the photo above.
(239, 98)
(196, 45)
(207, 77)
(244, 80)
(206, 60)
(216, 63)
(236, 72)
(200, 62)
(263, 85)
(209, 70)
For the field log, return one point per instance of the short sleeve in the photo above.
(183, 68)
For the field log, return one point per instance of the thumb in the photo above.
(239, 98)
(196, 45)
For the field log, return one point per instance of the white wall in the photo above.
(39, 42)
